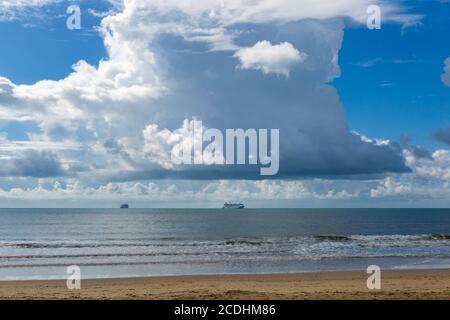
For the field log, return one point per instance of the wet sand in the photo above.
(398, 284)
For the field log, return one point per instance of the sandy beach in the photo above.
(401, 284)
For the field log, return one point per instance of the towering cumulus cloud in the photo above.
(232, 64)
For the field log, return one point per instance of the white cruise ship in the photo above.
(229, 205)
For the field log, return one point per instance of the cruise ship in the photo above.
(229, 205)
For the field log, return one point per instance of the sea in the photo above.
(111, 243)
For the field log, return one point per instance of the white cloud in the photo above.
(6, 86)
(3, 138)
(368, 63)
(150, 191)
(268, 58)
(18, 4)
(158, 144)
(211, 20)
(11, 9)
(389, 187)
(12, 146)
(230, 12)
(428, 185)
(445, 77)
(437, 168)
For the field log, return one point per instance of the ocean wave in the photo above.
(56, 245)
(396, 237)
(436, 236)
(332, 238)
(246, 242)
(209, 261)
(159, 243)
(172, 242)
(139, 254)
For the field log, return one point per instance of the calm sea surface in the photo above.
(42, 243)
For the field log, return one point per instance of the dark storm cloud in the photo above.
(442, 135)
(404, 143)
(35, 164)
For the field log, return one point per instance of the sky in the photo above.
(88, 117)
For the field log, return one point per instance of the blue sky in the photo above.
(390, 82)
(389, 88)
(42, 48)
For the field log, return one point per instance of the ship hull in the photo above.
(233, 206)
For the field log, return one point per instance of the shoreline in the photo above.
(396, 284)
